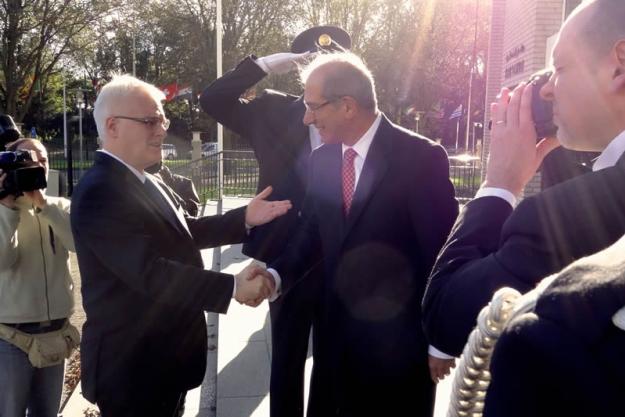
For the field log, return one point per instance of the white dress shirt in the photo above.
(315, 137)
(362, 149)
(611, 153)
(607, 159)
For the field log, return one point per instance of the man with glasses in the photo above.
(272, 125)
(144, 285)
(378, 208)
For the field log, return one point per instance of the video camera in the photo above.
(542, 110)
(23, 172)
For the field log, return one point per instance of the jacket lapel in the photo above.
(330, 190)
(179, 221)
(373, 171)
(137, 189)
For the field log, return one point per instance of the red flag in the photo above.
(170, 90)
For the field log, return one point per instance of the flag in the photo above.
(184, 93)
(456, 113)
(170, 90)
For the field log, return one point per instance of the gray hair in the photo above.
(15, 145)
(118, 88)
(345, 75)
(605, 25)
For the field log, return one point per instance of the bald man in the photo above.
(493, 244)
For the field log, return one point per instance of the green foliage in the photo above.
(418, 50)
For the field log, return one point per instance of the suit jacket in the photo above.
(376, 263)
(143, 284)
(272, 123)
(492, 246)
(566, 357)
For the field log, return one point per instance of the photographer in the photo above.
(35, 295)
(496, 243)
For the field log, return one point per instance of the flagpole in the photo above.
(457, 132)
(466, 141)
(220, 129)
(212, 319)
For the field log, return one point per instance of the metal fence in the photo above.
(240, 170)
(465, 172)
(240, 174)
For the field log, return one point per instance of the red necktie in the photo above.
(349, 179)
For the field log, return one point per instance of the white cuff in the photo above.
(234, 287)
(497, 192)
(262, 64)
(437, 353)
(278, 281)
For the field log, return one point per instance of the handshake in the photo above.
(253, 285)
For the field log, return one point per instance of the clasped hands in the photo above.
(253, 285)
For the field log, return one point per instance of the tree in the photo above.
(36, 34)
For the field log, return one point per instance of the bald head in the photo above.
(343, 74)
(601, 24)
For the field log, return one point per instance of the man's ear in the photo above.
(111, 127)
(618, 76)
(350, 105)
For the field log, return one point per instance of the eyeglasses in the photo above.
(316, 107)
(151, 122)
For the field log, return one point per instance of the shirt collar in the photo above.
(139, 175)
(364, 143)
(611, 153)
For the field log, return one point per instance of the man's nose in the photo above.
(160, 130)
(309, 118)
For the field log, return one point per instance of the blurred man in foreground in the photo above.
(493, 245)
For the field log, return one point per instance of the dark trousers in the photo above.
(291, 321)
(141, 403)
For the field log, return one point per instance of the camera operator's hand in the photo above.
(281, 63)
(9, 200)
(514, 155)
(36, 198)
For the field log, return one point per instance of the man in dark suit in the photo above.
(272, 124)
(143, 281)
(379, 205)
(491, 244)
(565, 358)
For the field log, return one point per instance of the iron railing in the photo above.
(240, 174)
(465, 172)
(240, 171)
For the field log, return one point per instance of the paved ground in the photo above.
(242, 359)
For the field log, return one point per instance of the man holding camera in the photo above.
(36, 296)
(493, 244)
